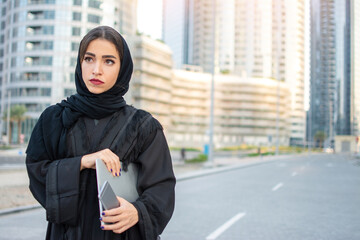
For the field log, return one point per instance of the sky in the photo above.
(150, 17)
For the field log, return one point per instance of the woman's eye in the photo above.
(88, 59)
(109, 62)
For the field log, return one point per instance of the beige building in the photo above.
(245, 108)
(150, 87)
(346, 144)
(253, 39)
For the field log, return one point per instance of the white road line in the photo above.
(294, 174)
(279, 185)
(225, 226)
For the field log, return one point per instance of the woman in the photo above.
(97, 123)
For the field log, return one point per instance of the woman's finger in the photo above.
(109, 159)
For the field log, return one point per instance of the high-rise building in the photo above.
(333, 73)
(39, 41)
(259, 38)
(355, 66)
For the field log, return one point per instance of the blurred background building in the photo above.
(245, 110)
(39, 41)
(334, 94)
(253, 39)
(259, 65)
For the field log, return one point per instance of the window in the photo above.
(15, 32)
(75, 46)
(95, 4)
(69, 91)
(94, 18)
(37, 45)
(38, 61)
(40, 30)
(41, 1)
(25, 92)
(73, 61)
(16, 17)
(13, 47)
(77, 2)
(13, 62)
(36, 15)
(77, 16)
(48, 30)
(31, 76)
(76, 31)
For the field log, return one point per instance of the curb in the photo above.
(18, 209)
(220, 169)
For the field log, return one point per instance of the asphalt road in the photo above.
(315, 197)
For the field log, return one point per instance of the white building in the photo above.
(39, 41)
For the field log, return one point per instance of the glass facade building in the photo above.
(39, 41)
(333, 99)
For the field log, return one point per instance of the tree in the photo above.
(319, 137)
(17, 114)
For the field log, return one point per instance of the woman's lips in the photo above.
(96, 81)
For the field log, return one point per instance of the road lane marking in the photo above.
(294, 174)
(279, 185)
(225, 226)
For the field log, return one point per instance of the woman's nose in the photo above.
(97, 69)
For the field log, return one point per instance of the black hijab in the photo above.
(48, 139)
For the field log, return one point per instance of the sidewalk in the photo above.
(15, 194)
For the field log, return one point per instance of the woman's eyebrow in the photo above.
(91, 54)
(108, 56)
(104, 56)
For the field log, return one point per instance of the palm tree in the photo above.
(17, 114)
(319, 137)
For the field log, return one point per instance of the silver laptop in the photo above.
(124, 186)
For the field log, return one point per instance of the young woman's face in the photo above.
(100, 66)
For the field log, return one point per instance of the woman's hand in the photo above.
(110, 159)
(122, 218)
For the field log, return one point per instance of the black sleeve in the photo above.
(55, 185)
(156, 186)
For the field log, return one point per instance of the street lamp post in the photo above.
(8, 117)
(211, 124)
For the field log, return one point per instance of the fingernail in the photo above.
(102, 227)
(103, 213)
(115, 174)
(120, 174)
(111, 170)
(100, 218)
(120, 169)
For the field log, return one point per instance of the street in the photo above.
(314, 197)
(301, 197)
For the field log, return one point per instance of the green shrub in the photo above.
(200, 158)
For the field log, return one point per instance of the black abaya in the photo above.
(70, 195)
